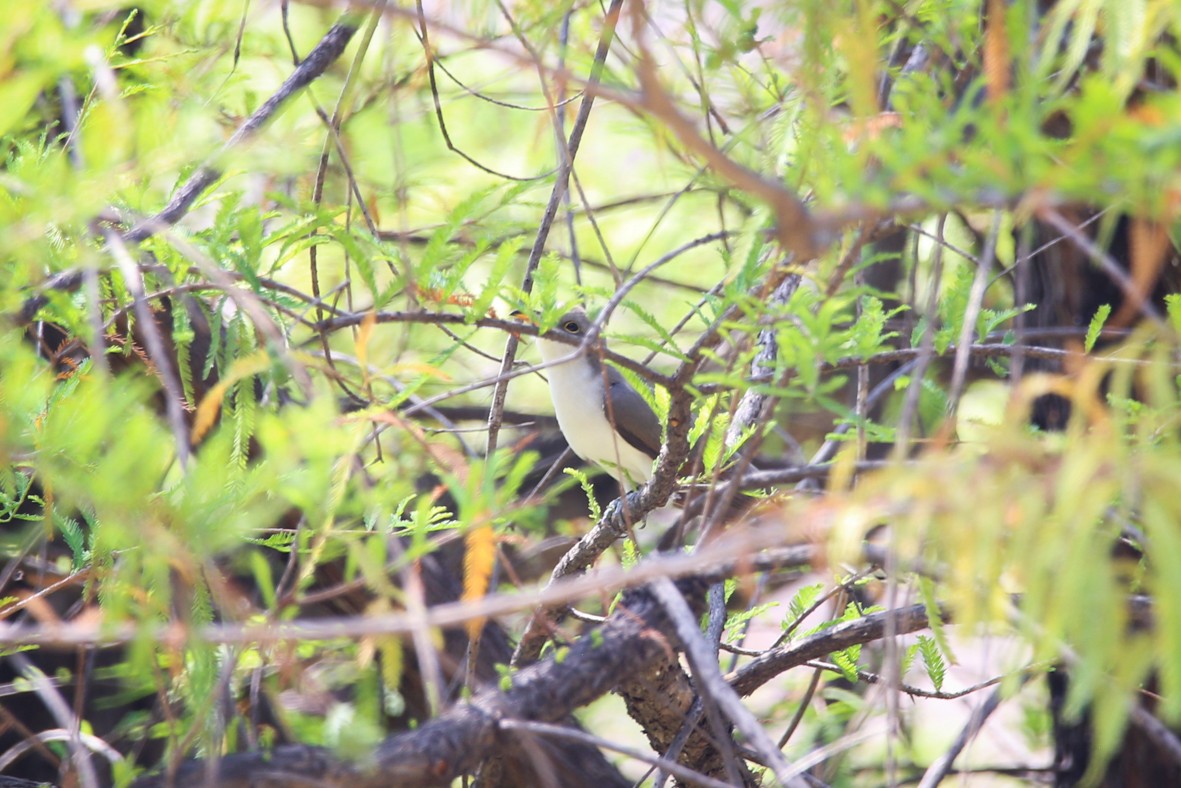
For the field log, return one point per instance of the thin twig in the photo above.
(560, 731)
(51, 697)
(942, 765)
(315, 64)
(710, 682)
(568, 151)
(174, 396)
(1106, 263)
(735, 553)
(959, 371)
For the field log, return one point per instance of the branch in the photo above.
(316, 63)
(313, 66)
(942, 766)
(690, 776)
(737, 553)
(795, 229)
(456, 742)
(852, 633)
(712, 685)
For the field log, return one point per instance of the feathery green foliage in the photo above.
(273, 408)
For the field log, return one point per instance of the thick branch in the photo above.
(455, 743)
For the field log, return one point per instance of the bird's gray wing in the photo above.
(632, 417)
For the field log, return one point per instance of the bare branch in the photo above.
(705, 670)
(862, 630)
(457, 741)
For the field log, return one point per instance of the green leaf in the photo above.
(75, 538)
(867, 334)
(596, 513)
(847, 661)
(506, 255)
(991, 320)
(734, 628)
(935, 617)
(801, 603)
(1095, 326)
(952, 305)
(264, 580)
(545, 287)
(908, 659)
(667, 342)
(932, 661)
(631, 554)
(17, 93)
(1173, 306)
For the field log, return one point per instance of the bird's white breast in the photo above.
(577, 391)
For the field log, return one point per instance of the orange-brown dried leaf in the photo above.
(996, 52)
(1150, 247)
(210, 406)
(361, 343)
(478, 559)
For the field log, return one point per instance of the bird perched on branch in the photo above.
(604, 419)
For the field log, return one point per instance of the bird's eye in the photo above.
(571, 327)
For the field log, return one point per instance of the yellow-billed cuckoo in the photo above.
(603, 418)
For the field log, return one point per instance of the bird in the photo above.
(603, 418)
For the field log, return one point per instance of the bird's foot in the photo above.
(620, 512)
